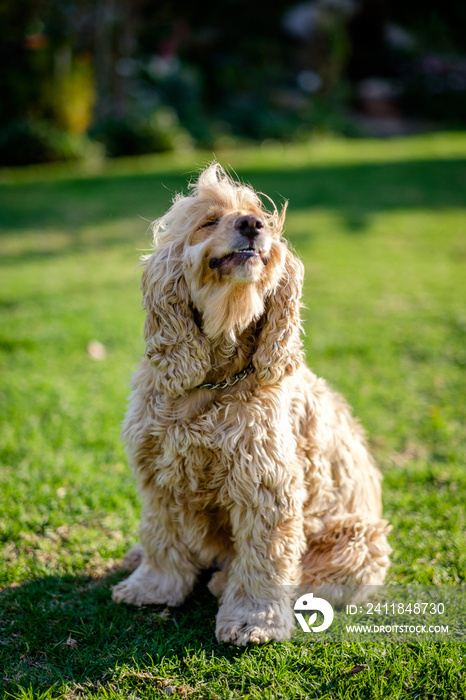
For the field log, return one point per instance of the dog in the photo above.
(244, 459)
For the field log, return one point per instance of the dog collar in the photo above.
(231, 381)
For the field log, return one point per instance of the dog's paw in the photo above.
(252, 622)
(133, 558)
(217, 583)
(149, 586)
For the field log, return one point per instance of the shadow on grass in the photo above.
(355, 191)
(67, 629)
(73, 246)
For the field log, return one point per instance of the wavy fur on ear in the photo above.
(279, 350)
(174, 345)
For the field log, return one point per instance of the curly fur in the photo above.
(271, 477)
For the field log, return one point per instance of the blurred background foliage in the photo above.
(89, 78)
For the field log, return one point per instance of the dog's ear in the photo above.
(279, 345)
(175, 347)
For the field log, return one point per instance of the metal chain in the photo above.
(229, 382)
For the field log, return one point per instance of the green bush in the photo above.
(133, 135)
(27, 142)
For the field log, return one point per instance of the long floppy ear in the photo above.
(279, 347)
(175, 346)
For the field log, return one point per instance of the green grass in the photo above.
(381, 228)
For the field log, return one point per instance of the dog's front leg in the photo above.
(267, 530)
(168, 569)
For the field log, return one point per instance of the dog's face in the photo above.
(232, 247)
(232, 258)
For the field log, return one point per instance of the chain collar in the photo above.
(229, 382)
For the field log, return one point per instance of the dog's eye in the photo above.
(210, 223)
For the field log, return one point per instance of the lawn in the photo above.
(381, 228)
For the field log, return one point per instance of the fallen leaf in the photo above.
(96, 350)
(356, 669)
(70, 642)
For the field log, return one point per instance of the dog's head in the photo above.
(220, 264)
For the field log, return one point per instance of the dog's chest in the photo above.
(192, 461)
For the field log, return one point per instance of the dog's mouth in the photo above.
(241, 256)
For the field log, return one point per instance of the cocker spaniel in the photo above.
(243, 457)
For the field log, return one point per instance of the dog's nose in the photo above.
(249, 225)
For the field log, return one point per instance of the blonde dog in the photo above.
(242, 456)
